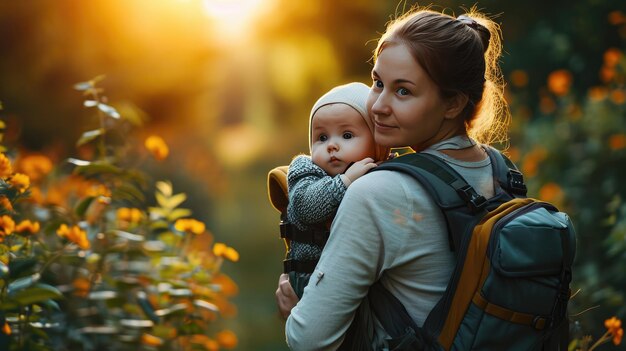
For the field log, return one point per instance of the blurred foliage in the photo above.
(231, 94)
(87, 264)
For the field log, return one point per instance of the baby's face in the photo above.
(339, 136)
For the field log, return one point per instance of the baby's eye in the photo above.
(347, 135)
(403, 91)
(322, 137)
(378, 84)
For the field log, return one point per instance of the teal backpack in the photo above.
(511, 284)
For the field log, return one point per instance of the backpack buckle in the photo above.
(284, 230)
(516, 182)
(470, 196)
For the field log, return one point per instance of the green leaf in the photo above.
(161, 200)
(89, 136)
(109, 110)
(77, 162)
(4, 270)
(165, 188)
(128, 192)
(22, 283)
(98, 169)
(176, 200)
(21, 266)
(83, 205)
(178, 213)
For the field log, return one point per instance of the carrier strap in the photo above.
(317, 236)
(291, 265)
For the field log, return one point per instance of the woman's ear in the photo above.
(456, 104)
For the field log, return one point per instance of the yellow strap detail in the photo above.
(506, 314)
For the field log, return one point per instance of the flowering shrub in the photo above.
(570, 150)
(87, 263)
(614, 332)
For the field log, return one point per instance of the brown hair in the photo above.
(461, 56)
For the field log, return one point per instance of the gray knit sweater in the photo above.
(314, 197)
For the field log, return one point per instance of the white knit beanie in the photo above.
(354, 95)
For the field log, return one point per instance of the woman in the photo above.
(437, 88)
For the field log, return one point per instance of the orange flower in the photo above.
(220, 249)
(26, 226)
(6, 328)
(547, 105)
(81, 286)
(597, 93)
(616, 18)
(227, 339)
(559, 82)
(618, 96)
(151, 340)
(5, 166)
(20, 181)
(550, 192)
(614, 327)
(617, 141)
(607, 74)
(190, 226)
(35, 166)
(7, 226)
(157, 147)
(75, 235)
(519, 78)
(612, 57)
(227, 286)
(6, 203)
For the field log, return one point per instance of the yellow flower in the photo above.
(5, 166)
(6, 203)
(157, 147)
(6, 328)
(98, 190)
(189, 225)
(20, 181)
(35, 166)
(27, 226)
(220, 249)
(7, 226)
(75, 235)
(227, 339)
(128, 216)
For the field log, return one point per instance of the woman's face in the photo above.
(404, 103)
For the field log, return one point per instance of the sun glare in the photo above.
(233, 17)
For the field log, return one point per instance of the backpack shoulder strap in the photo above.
(443, 183)
(508, 177)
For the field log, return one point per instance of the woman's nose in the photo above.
(380, 105)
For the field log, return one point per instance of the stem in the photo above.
(102, 143)
(606, 337)
(54, 258)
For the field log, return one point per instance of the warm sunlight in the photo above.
(234, 17)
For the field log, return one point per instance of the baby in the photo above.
(341, 140)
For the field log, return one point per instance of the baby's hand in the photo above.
(358, 169)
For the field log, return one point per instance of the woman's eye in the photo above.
(378, 84)
(322, 138)
(347, 135)
(403, 91)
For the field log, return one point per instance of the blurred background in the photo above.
(229, 86)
